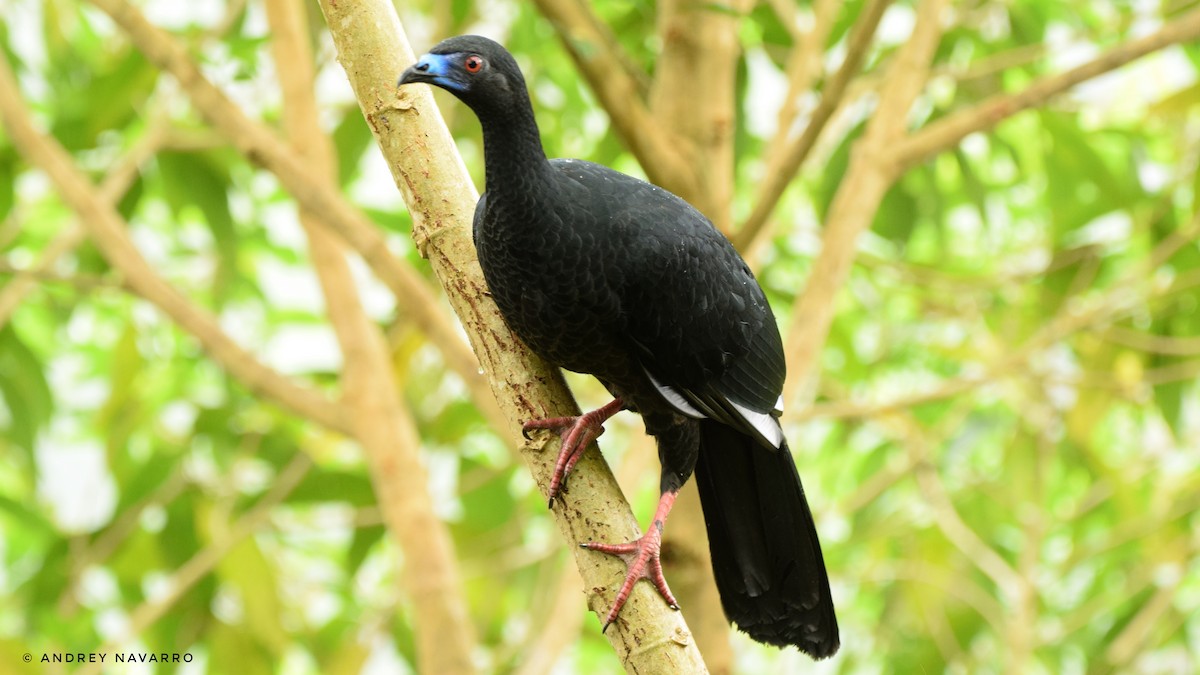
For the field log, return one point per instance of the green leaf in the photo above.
(459, 11)
(246, 568)
(123, 412)
(198, 179)
(361, 544)
(179, 537)
(132, 197)
(1177, 106)
(234, 650)
(490, 505)
(348, 658)
(1169, 399)
(8, 179)
(770, 30)
(972, 185)
(1081, 185)
(835, 170)
(25, 517)
(897, 215)
(148, 477)
(25, 390)
(52, 570)
(351, 139)
(140, 553)
(325, 485)
(109, 98)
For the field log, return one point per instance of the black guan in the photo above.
(601, 273)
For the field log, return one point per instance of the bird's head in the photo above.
(478, 71)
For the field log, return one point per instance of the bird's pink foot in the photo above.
(576, 433)
(642, 560)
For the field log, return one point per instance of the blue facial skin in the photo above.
(436, 69)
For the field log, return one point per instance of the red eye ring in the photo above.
(473, 63)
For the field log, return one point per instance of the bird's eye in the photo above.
(473, 64)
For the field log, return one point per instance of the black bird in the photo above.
(602, 273)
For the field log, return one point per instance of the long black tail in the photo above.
(765, 554)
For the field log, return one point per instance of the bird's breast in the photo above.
(554, 291)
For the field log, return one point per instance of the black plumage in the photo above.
(602, 273)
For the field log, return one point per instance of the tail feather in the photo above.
(765, 553)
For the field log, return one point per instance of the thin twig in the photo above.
(1133, 637)
(313, 192)
(780, 173)
(110, 233)
(948, 131)
(964, 590)
(116, 182)
(804, 66)
(1148, 342)
(994, 63)
(200, 565)
(108, 541)
(623, 96)
(956, 530)
(562, 620)
(858, 197)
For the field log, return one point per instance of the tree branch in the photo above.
(602, 63)
(108, 230)
(858, 197)
(573, 20)
(948, 131)
(1149, 342)
(1072, 318)
(1134, 637)
(261, 145)
(693, 95)
(383, 426)
(372, 48)
(783, 167)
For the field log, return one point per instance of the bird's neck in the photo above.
(512, 150)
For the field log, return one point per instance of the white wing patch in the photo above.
(677, 401)
(764, 423)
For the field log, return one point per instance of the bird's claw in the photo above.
(576, 433)
(641, 557)
(642, 560)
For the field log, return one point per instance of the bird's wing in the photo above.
(747, 396)
(692, 311)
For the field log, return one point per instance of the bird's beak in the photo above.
(430, 68)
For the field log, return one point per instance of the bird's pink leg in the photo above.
(576, 432)
(641, 558)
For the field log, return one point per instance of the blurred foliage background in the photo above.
(1002, 446)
